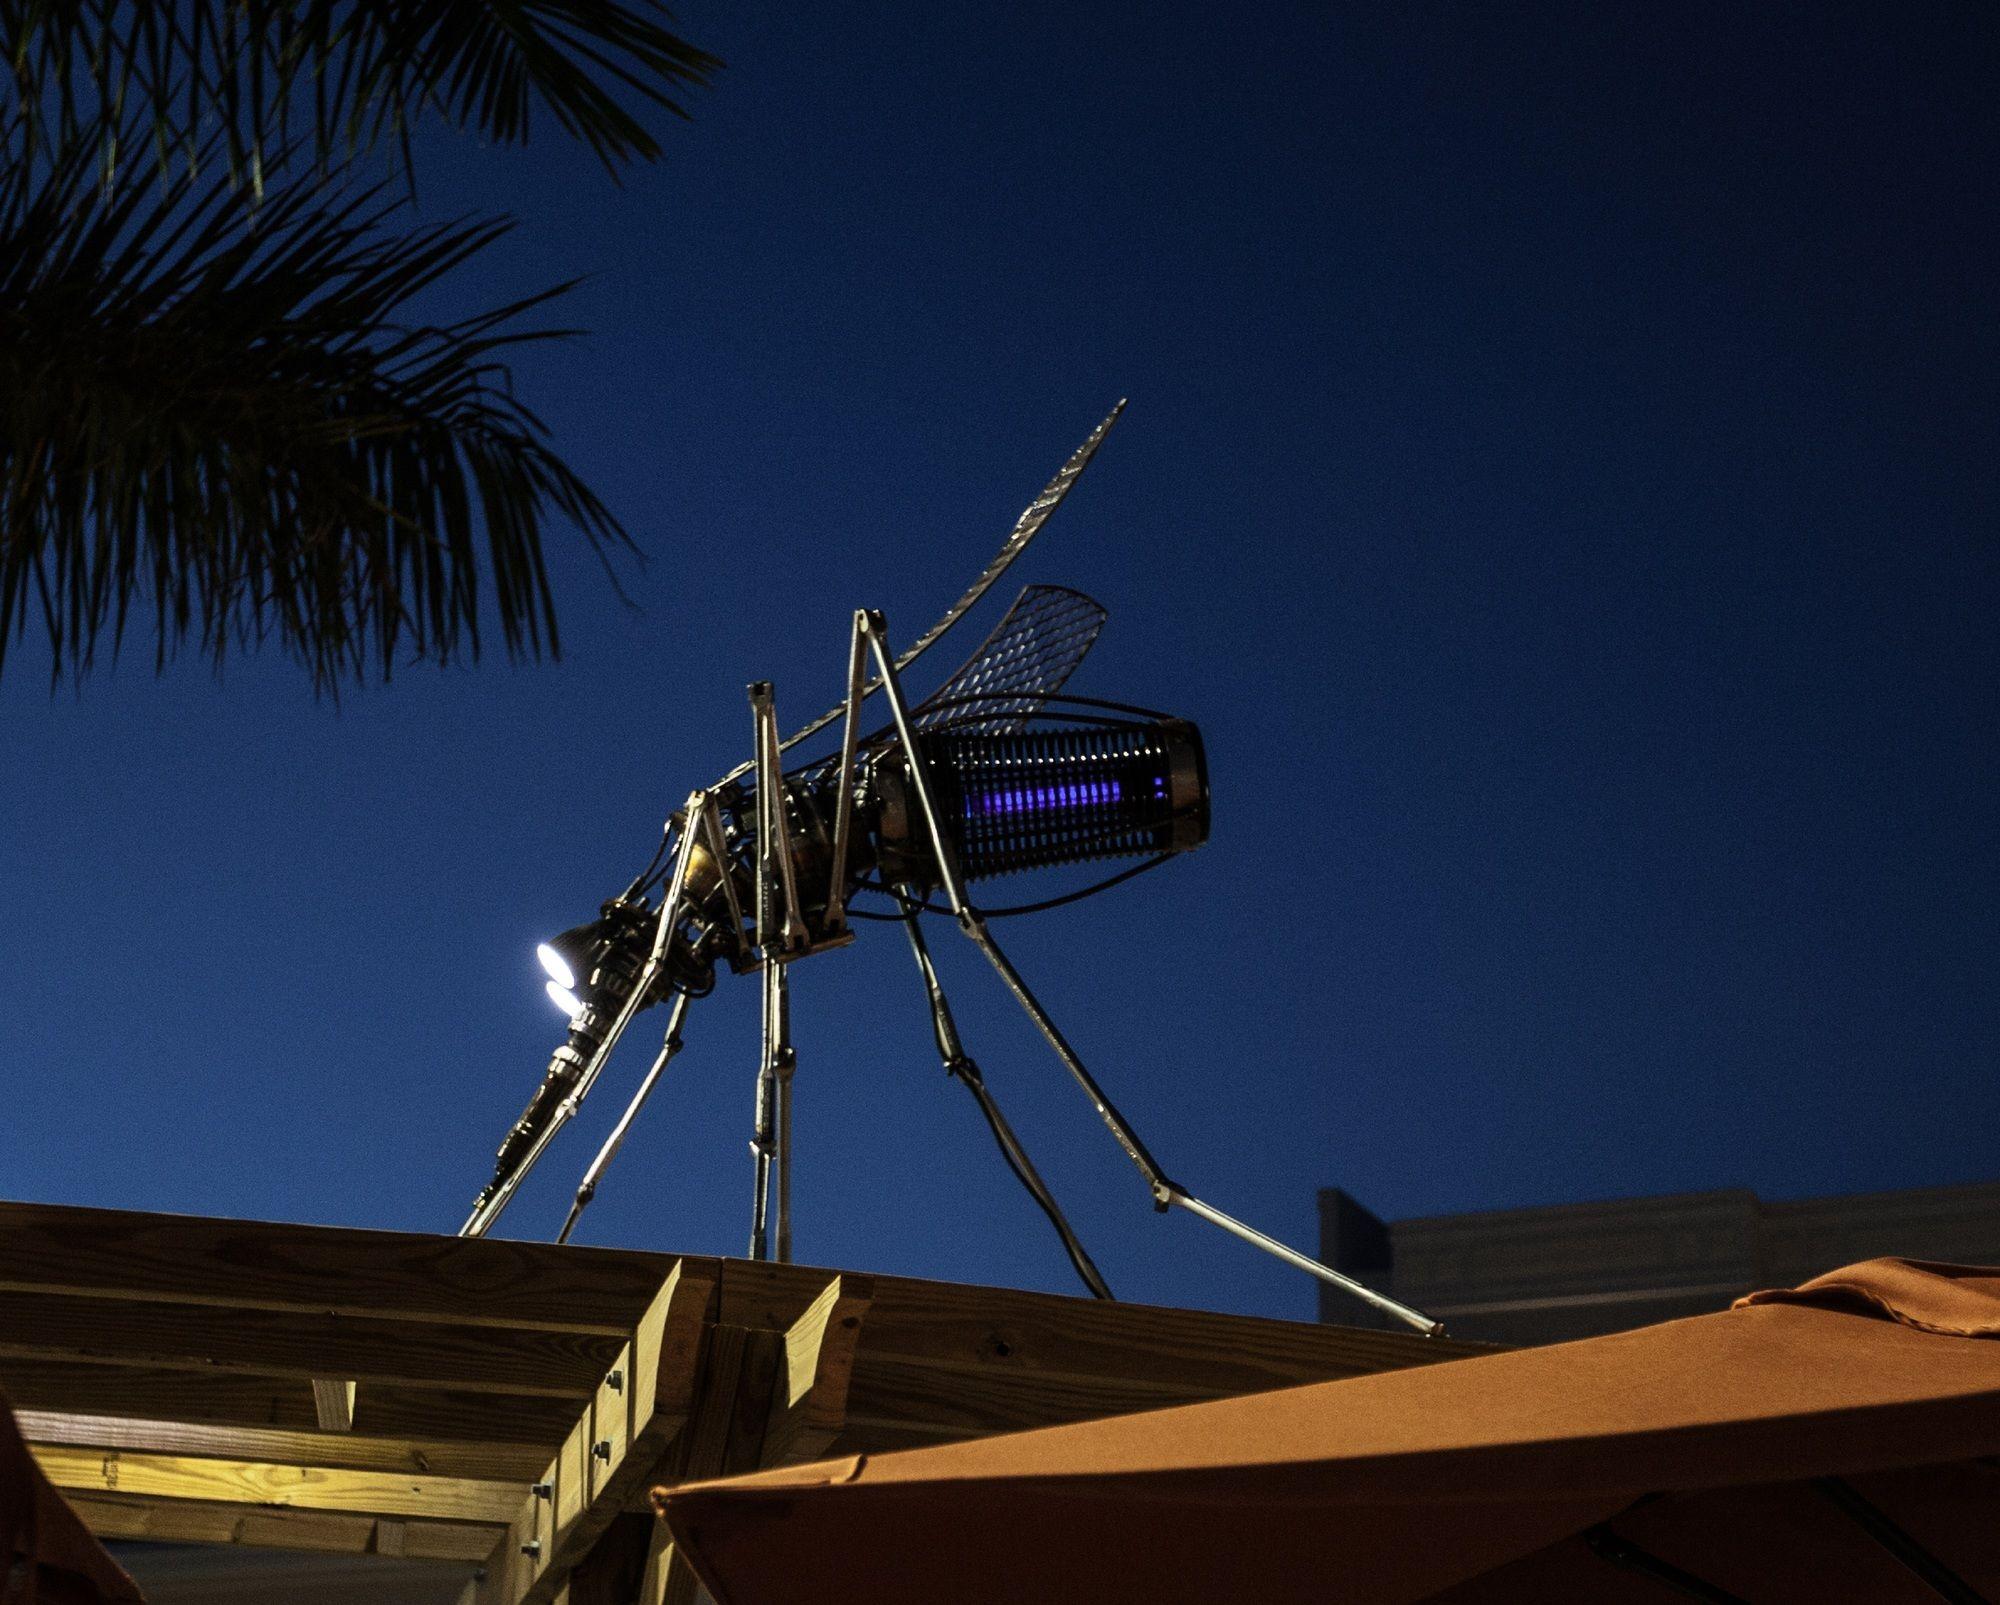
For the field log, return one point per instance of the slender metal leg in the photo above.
(784, 1063)
(763, 1146)
(587, 1189)
(498, 1194)
(960, 1066)
(1166, 1194)
(771, 1148)
(843, 810)
(780, 931)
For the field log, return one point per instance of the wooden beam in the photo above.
(809, 1400)
(668, 1579)
(264, 1483)
(887, 1392)
(766, 1396)
(722, 1399)
(1004, 1329)
(333, 1403)
(270, 1266)
(613, 1571)
(306, 1345)
(716, 1441)
(641, 1408)
(256, 1401)
(481, 1462)
(193, 1522)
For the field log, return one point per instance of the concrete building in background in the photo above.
(1577, 1270)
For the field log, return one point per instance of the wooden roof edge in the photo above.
(368, 1274)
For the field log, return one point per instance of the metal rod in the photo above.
(877, 629)
(587, 1188)
(782, 1069)
(774, 839)
(761, 848)
(1304, 1262)
(1608, 1545)
(1166, 1194)
(836, 891)
(1878, 1525)
(763, 1144)
(1032, 518)
(962, 1068)
(711, 820)
(974, 927)
(776, 934)
(481, 1220)
(1114, 1122)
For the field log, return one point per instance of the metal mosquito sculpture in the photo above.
(992, 773)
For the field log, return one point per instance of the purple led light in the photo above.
(1042, 799)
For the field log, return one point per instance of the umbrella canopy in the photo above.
(1819, 1444)
(47, 1555)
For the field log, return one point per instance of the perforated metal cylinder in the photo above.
(1030, 799)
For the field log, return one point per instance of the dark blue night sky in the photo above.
(1560, 480)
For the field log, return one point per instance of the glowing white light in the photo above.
(566, 1000)
(557, 966)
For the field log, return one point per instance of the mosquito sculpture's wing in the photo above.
(1026, 527)
(1026, 660)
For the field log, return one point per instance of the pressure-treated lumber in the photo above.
(305, 1345)
(333, 1404)
(641, 1408)
(510, 1401)
(418, 1414)
(437, 1457)
(267, 1266)
(809, 1399)
(191, 1522)
(1047, 1334)
(264, 1484)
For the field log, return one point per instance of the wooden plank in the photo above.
(117, 1390)
(611, 1432)
(809, 1398)
(193, 1522)
(483, 1462)
(308, 1345)
(511, 1567)
(669, 1579)
(750, 1409)
(572, 1478)
(1082, 1338)
(256, 1401)
(264, 1483)
(271, 1266)
(666, 1351)
(614, 1570)
(1058, 1335)
(701, 1451)
(642, 1407)
(333, 1403)
(888, 1394)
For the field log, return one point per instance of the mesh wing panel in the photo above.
(1027, 658)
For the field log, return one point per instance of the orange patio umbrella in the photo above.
(1825, 1444)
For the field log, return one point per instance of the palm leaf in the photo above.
(354, 70)
(209, 411)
